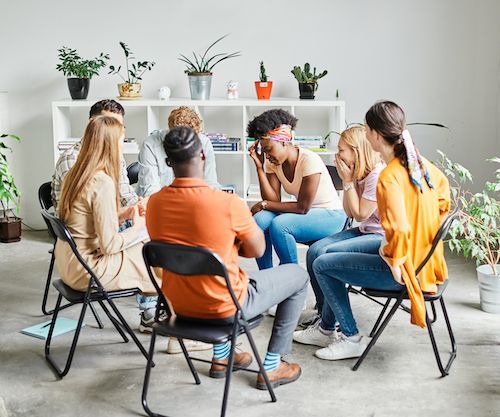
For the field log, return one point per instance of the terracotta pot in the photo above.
(126, 90)
(263, 89)
(10, 231)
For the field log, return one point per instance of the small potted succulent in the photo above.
(79, 71)
(199, 70)
(131, 87)
(308, 82)
(476, 232)
(263, 87)
(10, 224)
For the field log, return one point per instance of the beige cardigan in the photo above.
(93, 222)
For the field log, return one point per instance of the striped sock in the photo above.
(272, 361)
(222, 350)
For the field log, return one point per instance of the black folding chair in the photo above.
(95, 293)
(399, 296)
(133, 173)
(189, 261)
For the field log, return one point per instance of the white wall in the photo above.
(439, 60)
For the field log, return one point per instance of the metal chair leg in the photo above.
(261, 365)
(145, 386)
(128, 329)
(47, 285)
(190, 362)
(96, 316)
(55, 367)
(434, 314)
(380, 330)
(379, 318)
(115, 322)
(229, 369)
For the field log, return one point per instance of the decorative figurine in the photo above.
(232, 90)
(164, 93)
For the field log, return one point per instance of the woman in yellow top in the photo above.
(413, 196)
(90, 208)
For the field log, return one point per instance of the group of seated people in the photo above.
(397, 197)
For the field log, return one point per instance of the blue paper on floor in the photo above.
(63, 325)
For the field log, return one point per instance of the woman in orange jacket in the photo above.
(413, 196)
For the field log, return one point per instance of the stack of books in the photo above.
(228, 188)
(221, 142)
(313, 143)
(67, 143)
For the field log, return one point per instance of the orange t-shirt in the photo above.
(189, 212)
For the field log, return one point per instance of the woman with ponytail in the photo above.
(413, 196)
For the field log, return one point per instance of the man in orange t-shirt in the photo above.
(189, 212)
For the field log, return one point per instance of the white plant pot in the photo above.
(489, 289)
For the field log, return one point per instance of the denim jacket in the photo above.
(154, 173)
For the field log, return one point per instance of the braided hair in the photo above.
(388, 119)
(181, 144)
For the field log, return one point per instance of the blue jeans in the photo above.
(334, 270)
(351, 240)
(284, 230)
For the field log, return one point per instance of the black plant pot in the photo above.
(307, 90)
(79, 88)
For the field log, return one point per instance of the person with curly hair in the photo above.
(317, 211)
(154, 173)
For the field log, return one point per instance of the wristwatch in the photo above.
(348, 186)
(263, 204)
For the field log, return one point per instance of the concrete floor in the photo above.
(398, 378)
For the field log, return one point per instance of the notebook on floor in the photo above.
(41, 331)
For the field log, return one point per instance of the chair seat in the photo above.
(74, 296)
(200, 330)
(395, 294)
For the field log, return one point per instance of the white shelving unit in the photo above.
(316, 117)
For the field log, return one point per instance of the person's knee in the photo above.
(297, 275)
(281, 225)
(261, 218)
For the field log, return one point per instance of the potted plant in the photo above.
(10, 224)
(131, 87)
(263, 87)
(199, 70)
(79, 71)
(476, 232)
(308, 82)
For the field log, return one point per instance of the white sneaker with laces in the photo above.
(314, 336)
(343, 348)
(174, 346)
(309, 318)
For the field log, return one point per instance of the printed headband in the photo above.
(282, 133)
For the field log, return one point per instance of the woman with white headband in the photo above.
(413, 197)
(317, 211)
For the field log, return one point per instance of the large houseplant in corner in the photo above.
(79, 71)
(476, 232)
(10, 224)
(199, 70)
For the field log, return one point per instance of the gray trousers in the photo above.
(285, 285)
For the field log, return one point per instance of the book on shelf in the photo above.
(228, 188)
(253, 191)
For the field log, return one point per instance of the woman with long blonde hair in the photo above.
(90, 208)
(359, 167)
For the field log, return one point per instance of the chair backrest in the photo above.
(337, 181)
(133, 173)
(45, 195)
(187, 261)
(440, 235)
(62, 233)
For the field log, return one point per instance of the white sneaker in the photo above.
(309, 318)
(272, 310)
(343, 348)
(191, 345)
(314, 336)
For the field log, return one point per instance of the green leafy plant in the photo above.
(475, 232)
(306, 76)
(262, 75)
(72, 65)
(203, 64)
(9, 193)
(135, 70)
